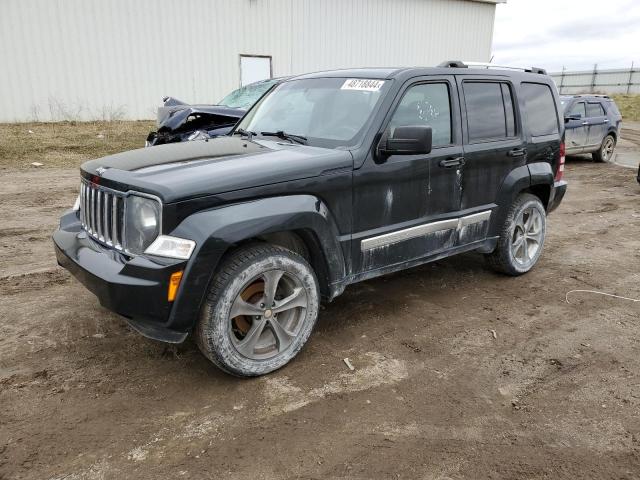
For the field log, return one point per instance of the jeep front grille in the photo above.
(102, 214)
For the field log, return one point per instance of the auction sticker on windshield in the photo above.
(363, 84)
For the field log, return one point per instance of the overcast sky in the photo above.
(573, 33)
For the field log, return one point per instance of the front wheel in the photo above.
(260, 310)
(605, 152)
(521, 237)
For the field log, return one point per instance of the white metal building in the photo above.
(105, 59)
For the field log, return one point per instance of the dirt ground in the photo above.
(554, 394)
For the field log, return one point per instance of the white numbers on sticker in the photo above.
(363, 84)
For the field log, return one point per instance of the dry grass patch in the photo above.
(68, 144)
(629, 106)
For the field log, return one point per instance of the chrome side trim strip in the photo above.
(422, 230)
(475, 218)
(408, 233)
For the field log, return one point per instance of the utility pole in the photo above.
(593, 78)
(630, 77)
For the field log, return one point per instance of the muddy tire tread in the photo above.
(499, 260)
(222, 279)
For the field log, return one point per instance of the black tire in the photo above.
(508, 257)
(219, 337)
(605, 152)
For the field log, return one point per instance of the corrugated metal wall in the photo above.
(618, 80)
(103, 59)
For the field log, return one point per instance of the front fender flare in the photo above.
(218, 229)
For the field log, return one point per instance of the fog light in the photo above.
(172, 247)
(174, 283)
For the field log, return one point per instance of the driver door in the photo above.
(402, 203)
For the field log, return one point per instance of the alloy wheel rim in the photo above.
(527, 236)
(607, 149)
(267, 315)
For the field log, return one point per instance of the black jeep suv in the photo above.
(330, 179)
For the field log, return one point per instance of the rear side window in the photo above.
(595, 110)
(490, 113)
(540, 109)
(612, 107)
(579, 109)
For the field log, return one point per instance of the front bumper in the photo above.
(135, 288)
(556, 195)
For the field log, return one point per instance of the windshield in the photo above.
(246, 96)
(328, 112)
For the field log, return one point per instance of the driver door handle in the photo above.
(452, 162)
(517, 152)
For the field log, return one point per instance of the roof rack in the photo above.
(460, 64)
(599, 95)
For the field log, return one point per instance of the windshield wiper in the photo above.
(241, 131)
(286, 136)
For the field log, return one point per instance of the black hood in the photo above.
(180, 171)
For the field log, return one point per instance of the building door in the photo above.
(254, 68)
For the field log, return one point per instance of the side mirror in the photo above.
(408, 140)
(575, 116)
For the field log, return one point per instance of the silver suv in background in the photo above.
(592, 125)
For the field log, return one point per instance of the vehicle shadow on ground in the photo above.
(364, 304)
(580, 159)
(385, 295)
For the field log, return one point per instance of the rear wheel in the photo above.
(260, 311)
(605, 152)
(521, 238)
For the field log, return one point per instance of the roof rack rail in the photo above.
(460, 64)
(599, 95)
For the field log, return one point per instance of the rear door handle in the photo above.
(517, 152)
(452, 162)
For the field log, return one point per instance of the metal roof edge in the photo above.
(488, 1)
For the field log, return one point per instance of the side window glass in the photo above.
(613, 108)
(426, 104)
(540, 110)
(579, 109)
(595, 110)
(489, 110)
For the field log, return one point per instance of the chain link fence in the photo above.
(610, 81)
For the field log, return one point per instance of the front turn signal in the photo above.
(174, 283)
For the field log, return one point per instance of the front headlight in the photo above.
(142, 223)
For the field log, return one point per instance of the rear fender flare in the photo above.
(541, 173)
(518, 180)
